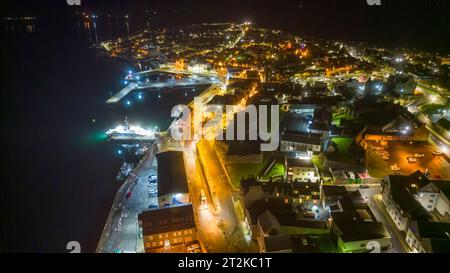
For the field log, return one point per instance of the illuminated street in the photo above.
(221, 192)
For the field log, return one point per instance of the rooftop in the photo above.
(361, 231)
(171, 173)
(167, 219)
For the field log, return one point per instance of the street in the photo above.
(121, 233)
(398, 246)
(221, 191)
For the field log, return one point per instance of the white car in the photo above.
(412, 159)
(395, 167)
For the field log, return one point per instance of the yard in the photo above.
(344, 151)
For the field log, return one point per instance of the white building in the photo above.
(398, 195)
(435, 196)
(428, 237)
(301, 170)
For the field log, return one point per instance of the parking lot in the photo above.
(394, 159)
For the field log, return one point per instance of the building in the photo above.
(360, 237)
(306, 194)
(435, 196)
(398, 195)
(169, 226)
(283, 233)
(443, 127)
(303, 194)
(301, 170)
(306, 127)
(279, 243)
(172, 180)
(428, 237)
(239, 152)
(300, 142)
(330, 195)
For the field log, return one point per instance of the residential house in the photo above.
(301, 170)
(428, 237)
(398, 195)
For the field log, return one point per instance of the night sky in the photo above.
(420, 24)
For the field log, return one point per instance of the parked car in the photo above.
(193, 247)
(411, 159)
(437, 153)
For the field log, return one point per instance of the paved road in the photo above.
(121, 232)
(222, 192)
(369, 194)
(207, 220)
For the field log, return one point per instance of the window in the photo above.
(160, 236)
(363, 245)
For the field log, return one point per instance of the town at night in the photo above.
(242, 127)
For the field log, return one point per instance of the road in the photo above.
(398, 246)
(121, 232)
(221, 191)
(207, 221)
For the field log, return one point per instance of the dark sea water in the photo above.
(58, 172)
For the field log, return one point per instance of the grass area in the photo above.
(344, 153)
(238, 171)
(319, 161)
(326, 243)
(432, 108)
(337, 118)
(277, 170)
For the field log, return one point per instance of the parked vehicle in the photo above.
(412, 159)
